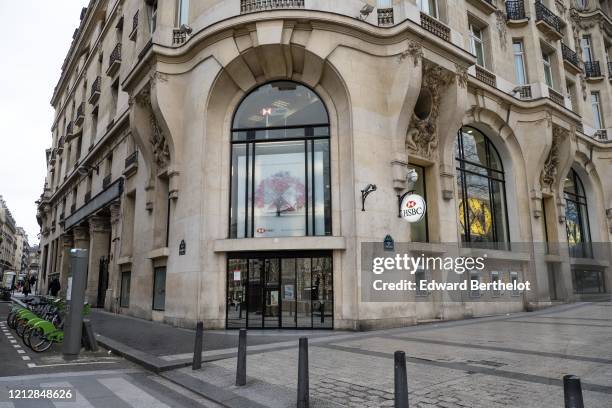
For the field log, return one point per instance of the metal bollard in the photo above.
(242, 354)
(303, 392)
(401, 380)
(197, 349)
(572, 389)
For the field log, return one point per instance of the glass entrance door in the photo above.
(275, 291)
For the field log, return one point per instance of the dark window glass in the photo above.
(419, 230)
(159, 288)
(482, 210)
(124, 300)
(577, 217)
(280, 164)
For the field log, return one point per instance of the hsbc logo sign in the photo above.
(413, 208)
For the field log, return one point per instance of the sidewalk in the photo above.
(500, 361)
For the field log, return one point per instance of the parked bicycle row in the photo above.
(39, 321)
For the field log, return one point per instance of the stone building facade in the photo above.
(211, 155)
(7, 237)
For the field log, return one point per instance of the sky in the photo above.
(32, 50)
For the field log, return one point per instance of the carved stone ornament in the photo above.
(160, 145)
(583, 86)
(560, 8)
(549, 172)
(462, 75)
(422, 135)
(500, 22)
(415, 50)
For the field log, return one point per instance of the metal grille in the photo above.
(602, 134)
(135, 21)
(569, 55)
(60, 142)
(178, 37)
(249, 6)
(485, 76)
(115, 55)
(610, 69)
(69, 128)
(435, 27)
(80, 114)
(543, 13)
(525, 92)
(556, 97)
(592, 69)
(95, 86)
(515, 10)
(385, 16)
(131, 159)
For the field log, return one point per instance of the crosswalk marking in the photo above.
(80, 402)
(6, 405)
(131, 394)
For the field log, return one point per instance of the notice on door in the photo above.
(288, 293)
(237, 276)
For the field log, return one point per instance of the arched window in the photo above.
(576, 217)
(482, 196)
(280, 164)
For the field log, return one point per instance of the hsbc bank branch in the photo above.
(265, 150)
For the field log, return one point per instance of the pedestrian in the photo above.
(54, 287)
(33, 284)
(26, 287)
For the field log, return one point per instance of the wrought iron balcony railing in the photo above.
(60, 142)
(115, 60)
(95, 90)
(556, 97)
(592, 69)
(250, 6)
(435, 27)
(515, 10)
(80, 114)
(69, 129)
(486, 76)
(132, 159)
(178, 37)
(610, 69)
(544, 14)
(524, 92)
(385, 17)
(569, 55)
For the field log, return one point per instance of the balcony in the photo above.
(592, 70)
(547, 21)
(556, 97)
(80, 114)
(570, 59)
(106, 181)
(251, 6)
(95, 91)
(435, 27)
(69, 131)
(132, 35)
(486, 76)
(178, 37)
(88, 196)
(114, 61)
(385, 17)
(486, 6)
(515, 13)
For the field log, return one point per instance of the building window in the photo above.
(482, 197)
(519, 62)
(514, 279)
(596, 106)
(153, 16)
(577, 217)
(547, 69)
(587, 53)
(159, 288)
(429, 7)
(419, 231)
(183, 12)
(280, 164)
(495, 278)
(477, 44)
(124, 298)
(581, 3)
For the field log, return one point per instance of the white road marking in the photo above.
(13, 341)
(81, 401)
(25, 358)
(131, 394)
(6, 405)
(32, 365)
(70, 374)
(16, 346)
(21, 351)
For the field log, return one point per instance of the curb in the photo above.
(148, 361)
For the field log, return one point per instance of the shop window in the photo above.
(514, 279)
(419, 231)
(588, 281)
(577, 217)
(482, 209)
(124, 298)
(159, 288)
(495, 278)
(280, 170)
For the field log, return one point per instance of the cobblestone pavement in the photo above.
(513, 361)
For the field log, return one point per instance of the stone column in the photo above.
(113, 269)
(81, 237)
(99, 238)
(67, 243)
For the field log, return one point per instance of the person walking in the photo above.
(26, 287)
(54, 287)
